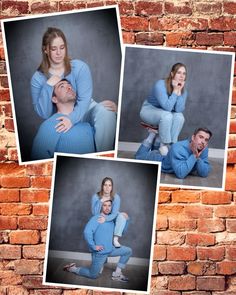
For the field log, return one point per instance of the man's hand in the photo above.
(195, 151)
(101, 219)
(99, 248)
(52, 81)
(64, 125)
(109, 105)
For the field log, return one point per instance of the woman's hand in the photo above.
(109, 105)
(104, 199)
(64, 125)
(52, 81)
(177, 86)
(101, 219)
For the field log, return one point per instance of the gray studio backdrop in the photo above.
(76, 181)
(92, 36)
(208, 82)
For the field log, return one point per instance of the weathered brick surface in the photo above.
(194, 251)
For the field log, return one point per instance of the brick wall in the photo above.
(195, 252)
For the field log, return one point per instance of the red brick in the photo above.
(32, 222)
(59, 292)
(10, 181)
(230, 38)
(9, 195)
(37, 169)
(222, 24)
(162, 223)
(231, 226)
(126, 8)
(16, 290)
(159, 252)
(181, 224)
(150, 38)
(40, 209)
(181, 253)
(225, 211)
(211, 225)
(233, 110)
(198, 211)
(183, 38)
(164, 197)
(154, 268)
(215, 253)
(8, 222)
(6, 109)
(172, 268)
(167, 292)
(201, 268)
(43, 7)
(9, 277)
(231, 252)
(41, 182)
(134, 23)
(231, 159)
(28, 237)
(170, 238)
(226, 268)
(43, 234)
(232, 127)
(32, 196)
(171, 8)
(34, 252)
(170, 210)
(182, 283)
(208, 8)
(12, 169)
(15, 7)
(234, 95)
(163, 24)
(209, 38)
(10, 252)
(159, 283)
(185, 196)
(2, 55)
(33, 282)
(4, 95)
(149, 8)
(25, 266)
(193, 24)
(3, 154)
(216, 198)
(229, 7)
(128, 37)
(64, 6)
(230, 179)
(15, 209)
(95, 4)
(196, 239)
(12, 154)
(216, 283)
(9, 125)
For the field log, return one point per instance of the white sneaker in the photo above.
(163, 149)
(119, 277)
(116, 243)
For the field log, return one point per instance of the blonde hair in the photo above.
(173, 71)
(47, 39)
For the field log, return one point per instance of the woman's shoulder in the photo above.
(78, 64)
(95, 196)
(116, 196)
(160, 83)
(38, 77)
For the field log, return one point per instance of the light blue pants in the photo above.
(146, 153)
(98, 261)
(170, 123)
(120, 225)
(104, 123)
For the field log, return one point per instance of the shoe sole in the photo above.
(119, 280)
(66, 267)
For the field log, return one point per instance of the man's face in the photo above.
(106, 207)
(201, 140)
(64, 92)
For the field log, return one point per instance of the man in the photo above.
(184, 157)
(54, 134)
(99, 237)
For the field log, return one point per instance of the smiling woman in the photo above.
(57, 65)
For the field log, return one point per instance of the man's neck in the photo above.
(65, 108)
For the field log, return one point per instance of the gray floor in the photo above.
(138, 275)
(214, 180)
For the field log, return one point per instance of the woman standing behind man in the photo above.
(164, 107)
(106, 193)
(57, 65)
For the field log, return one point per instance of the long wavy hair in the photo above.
(172, 73)
(47, 39)
(101, 192)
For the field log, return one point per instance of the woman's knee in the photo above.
(103, 114)
(166, 117)
(125, 215)
(179, 117)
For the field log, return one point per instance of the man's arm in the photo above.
(203, 166)
(89, 231)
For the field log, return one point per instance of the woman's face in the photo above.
(56, 51)
(107, 187)
(180, 75)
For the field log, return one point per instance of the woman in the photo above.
(56, 65)
(106, 193)
(164, 107)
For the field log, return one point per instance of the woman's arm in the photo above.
(115, 209)
(41, 95)
(84, 88)
(180, 103)
(166, 101)
(96, 205)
